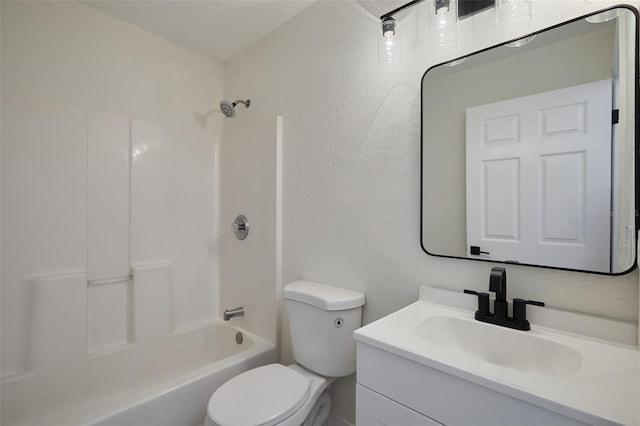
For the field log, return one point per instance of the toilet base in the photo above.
(320, 412)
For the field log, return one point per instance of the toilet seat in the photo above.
(263, 396)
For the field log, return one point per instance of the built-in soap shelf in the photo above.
(113, 280)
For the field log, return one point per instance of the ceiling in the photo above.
(219, 29)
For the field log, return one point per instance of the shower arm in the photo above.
(246, 103)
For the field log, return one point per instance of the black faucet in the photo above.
(498, 284)
(500, 315)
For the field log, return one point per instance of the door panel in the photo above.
(562, 198)
(501, 204)
(539, 178)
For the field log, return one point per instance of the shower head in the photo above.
(228, 108)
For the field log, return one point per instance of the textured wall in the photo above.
(351, 198)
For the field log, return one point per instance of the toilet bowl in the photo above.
(322, 319)
(271, 395)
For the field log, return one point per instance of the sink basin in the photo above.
(500, 346)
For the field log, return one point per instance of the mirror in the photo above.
(520, 160)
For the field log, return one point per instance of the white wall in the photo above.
(351, 158)
(63, 65)
(69, 52)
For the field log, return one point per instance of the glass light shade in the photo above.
(512, 12)
(389, 45)
(456, 62)
(521, 42)
(442, 20)
(605, 16)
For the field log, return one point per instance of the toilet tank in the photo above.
(322, 319)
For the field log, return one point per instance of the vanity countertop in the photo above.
(605, 389)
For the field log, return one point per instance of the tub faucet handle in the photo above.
(235, 312)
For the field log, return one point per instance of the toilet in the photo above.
(322, 319)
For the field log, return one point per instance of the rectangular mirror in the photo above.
(529, 149)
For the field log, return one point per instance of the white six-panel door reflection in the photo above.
(539, 178)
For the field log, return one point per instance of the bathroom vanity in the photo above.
(508, 175)
(431, 364)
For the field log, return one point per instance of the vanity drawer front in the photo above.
(373, 409)
(445, 398)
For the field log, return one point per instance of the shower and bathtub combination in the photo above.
(117, 257)
(115, 313)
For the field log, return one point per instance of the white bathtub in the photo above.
(167, 382)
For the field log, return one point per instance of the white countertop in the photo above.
(605, 390)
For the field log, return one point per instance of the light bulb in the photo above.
(442, 6)
(388, 27)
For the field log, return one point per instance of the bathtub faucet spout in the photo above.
(235, 312)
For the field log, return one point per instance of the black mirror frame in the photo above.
(636, 150)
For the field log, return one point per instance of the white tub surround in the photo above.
(108, 189)
(578, 378)
(107, 274)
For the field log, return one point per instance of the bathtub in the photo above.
(164, 382)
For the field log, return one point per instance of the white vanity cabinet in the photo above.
(373, 409)
(396, 391)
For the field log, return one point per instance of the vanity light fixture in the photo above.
(442, 18)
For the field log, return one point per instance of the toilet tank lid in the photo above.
(323, 296)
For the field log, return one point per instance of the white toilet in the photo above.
(322, 319)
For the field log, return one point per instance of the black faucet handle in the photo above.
(520, 308)
(483, 301)
(529, 302)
